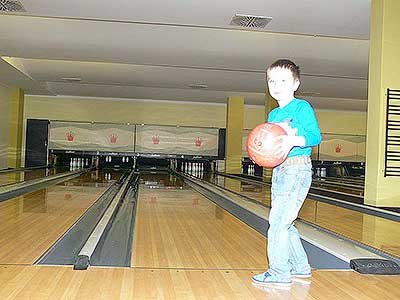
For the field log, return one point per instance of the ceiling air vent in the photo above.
(11, 6)
(248, 21)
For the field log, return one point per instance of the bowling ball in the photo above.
(260, 144)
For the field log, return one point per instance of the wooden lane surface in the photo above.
(63, 283)
(12, 177)
(182, 229)
(18, 176)
(374, 231)
(31, 223)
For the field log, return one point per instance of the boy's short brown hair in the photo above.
(286, 64)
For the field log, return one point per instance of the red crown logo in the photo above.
(338, 148)
(198, 142)
(70, 136)
(113, 138)
(155, 139)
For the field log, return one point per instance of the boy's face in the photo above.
(281, 84)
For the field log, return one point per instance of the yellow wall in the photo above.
(342, 122)
(123, 111)
(5, 99)
(253, 115)
(172, 113)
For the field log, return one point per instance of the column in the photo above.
(384, 66)
(234, 133)
(16, 125)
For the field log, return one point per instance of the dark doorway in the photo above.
(36, 142)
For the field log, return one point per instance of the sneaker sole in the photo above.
(272, 283)
(301, 276)
(270, 288)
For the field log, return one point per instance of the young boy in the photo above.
(291, 180)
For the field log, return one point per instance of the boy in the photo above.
(291, 180)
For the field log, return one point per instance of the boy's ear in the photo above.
(296, 84)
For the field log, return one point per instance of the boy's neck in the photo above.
(283, 103)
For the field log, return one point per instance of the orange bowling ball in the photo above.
(260, 144)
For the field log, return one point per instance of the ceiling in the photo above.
(186, 50)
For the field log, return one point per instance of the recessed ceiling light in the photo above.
(198, 86)
(71, 79)
(308, 93)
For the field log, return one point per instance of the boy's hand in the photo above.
(285, 143)
(286, 126)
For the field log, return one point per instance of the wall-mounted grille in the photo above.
(392, 147)
(248, 21)
(11, 6)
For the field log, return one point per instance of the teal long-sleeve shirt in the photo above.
(301, 116)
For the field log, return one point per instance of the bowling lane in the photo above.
(347, 188)
(176, 227)
(64, 283)
(374, 231)
(348, 180)
(18, 176)
(328, 184)
(31, 223)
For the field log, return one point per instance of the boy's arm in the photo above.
(303, 133)
(285, 143)
(307, 127)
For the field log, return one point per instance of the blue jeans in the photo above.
(291, 182)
